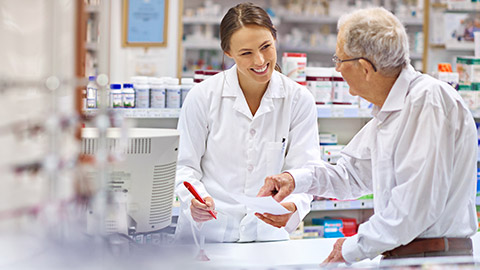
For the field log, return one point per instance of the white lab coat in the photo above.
(225, 150)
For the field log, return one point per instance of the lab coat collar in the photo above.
(396, 98)
(232, 88)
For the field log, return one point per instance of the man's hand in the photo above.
(200, 211)
(279, 186)
(278, 221)
(336, 254)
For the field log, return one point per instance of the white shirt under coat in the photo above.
(224, 150)
(418, 156)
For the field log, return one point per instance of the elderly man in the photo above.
(417, 155)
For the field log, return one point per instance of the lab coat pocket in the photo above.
(275, 157)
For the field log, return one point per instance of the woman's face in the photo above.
(253, 50)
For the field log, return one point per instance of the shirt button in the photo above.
(252, 131)
(250, 167)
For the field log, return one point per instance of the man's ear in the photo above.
(367, 69)
(228, 54)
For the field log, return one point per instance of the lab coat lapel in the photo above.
(275, 89)
(232, 89)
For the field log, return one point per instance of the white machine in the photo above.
(145, 176)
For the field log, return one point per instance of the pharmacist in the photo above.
(417, 155)
(238, 127)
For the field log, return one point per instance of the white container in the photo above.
(294, 65)
(198, 76)
(173, 93)
(341, 91)
(157, 93)
(187, 84)
(319, 82)
(116, 96)
(92, 90)
(142, 92)
(128, 95)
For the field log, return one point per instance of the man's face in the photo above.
(350, 70)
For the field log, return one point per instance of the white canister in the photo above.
(186, 85)
(173, 93)
(142, 92)
(294, 65)
(319, 82)
(157, 93)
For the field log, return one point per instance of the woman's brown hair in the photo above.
(241, 15)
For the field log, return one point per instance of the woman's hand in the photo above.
(278, 221)
(200, 211)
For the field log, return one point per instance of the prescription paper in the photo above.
(261, 204)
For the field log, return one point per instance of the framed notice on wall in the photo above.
(145, 23)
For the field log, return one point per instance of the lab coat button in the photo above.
(250, 167)
(242, 228)
(252, 131)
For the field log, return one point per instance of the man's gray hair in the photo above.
(376, 34)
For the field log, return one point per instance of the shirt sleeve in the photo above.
(193, 129)
(423, 168)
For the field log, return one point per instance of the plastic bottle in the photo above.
(116, 96)
(186, 85)
(294, 65)
(92, 90)
(173, 92)
(157, 92)
(142, 92)
(198, 76)
(319, 82)
(128, 95)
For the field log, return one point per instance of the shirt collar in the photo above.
(396, 97)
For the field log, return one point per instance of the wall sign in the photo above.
(145, 23)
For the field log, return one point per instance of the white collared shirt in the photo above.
(418, 156)
(224, 150)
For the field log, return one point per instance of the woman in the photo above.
(238, 127)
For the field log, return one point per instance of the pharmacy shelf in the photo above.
(140, 113)
(202, 20)
(307, 49)
(342, 111)
(328, 205)
(412, 21)
(299, 18)
(323, 111)
(212, 20)
(477, 200)
(205, 45)
(453, 45)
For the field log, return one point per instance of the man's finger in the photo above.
(268, 188)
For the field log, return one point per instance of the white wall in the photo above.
(127, 61)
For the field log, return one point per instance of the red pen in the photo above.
(195, 194)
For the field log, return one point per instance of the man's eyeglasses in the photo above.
(337, 61)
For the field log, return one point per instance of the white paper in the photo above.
(261, 204)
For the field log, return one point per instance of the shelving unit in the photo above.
(319, 51)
